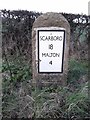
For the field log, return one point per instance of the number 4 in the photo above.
(50, 62)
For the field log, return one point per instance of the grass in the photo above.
(21, 99)
(18, 69)
(77, 70)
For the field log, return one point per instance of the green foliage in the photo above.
(20, 71)
(76, 70)
(61, 103)
(21, 99)
(15, 71)
(78, 103)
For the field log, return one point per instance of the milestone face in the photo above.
(50, 50)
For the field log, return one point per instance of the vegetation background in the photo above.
(20, 99)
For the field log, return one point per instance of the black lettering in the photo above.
(43, 54)
(50, 62)
(51, 38)
(51, 46)
(50, 54)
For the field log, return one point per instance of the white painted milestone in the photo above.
(50, 51)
